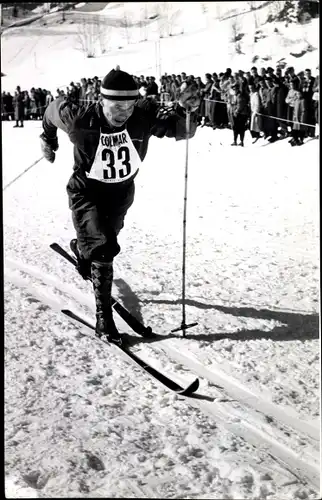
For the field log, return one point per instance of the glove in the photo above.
(166, 111)
(188, 97)
(48, 147)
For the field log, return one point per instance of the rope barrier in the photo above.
(268, 116)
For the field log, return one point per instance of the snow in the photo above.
(81, 422)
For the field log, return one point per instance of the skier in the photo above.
(110, 140)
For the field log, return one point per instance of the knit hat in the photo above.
(119, 86)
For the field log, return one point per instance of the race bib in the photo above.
(116, 158)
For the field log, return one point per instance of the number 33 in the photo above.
(110, 171)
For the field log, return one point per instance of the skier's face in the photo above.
(117, 112)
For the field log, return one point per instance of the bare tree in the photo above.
(171, 18)
(126, 24)
(104, 32)
(253, 7)
(144, 22)
(163, 8)
(236, 35)
(87, 36)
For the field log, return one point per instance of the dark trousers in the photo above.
(98, 212)
(239, 127)
(298, 135)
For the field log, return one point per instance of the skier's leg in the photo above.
(97, 246)
(242, 129)
(102, 278)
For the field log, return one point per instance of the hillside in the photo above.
(38, 54)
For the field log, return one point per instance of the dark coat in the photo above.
(83, 125)
(152, 89)
(271, 108)
(206, 93)
(300, 113)
(237, 106)
(93, 202)
(19, 106)
(281, 107)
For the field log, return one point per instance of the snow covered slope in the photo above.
(32, 55)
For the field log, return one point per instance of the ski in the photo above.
(134, 323)
(130, 356)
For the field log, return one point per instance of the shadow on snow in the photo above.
(296, 326)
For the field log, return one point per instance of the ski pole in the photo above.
(22, 173)
(184, 326)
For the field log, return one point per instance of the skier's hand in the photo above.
(166, 110)
(48, 147)
(189, 96)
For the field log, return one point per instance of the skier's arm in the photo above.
(59, 114)
(170, 120)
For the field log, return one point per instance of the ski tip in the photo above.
(188, 391)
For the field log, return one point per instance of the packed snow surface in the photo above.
(80, 421)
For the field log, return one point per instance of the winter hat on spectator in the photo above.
(119, 86)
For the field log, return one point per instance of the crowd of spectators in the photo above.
(272, 105)
(24, 105)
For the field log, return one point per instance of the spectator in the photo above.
(26, 99)
(263, 94)
(271, 109)
(307, 90)
(42, 101)
(201, 110)
(281, 107)
(174, 88)
(90, 94)
(215, 95)
(255, 107)
(34, 111)
(270, 72)
(279, 74)
(152, 88)
(206, 94)
(239, 113)
(83, 91)
(74, 92)
(19, 107)
(49, 98)
(290, 101)
(315, 98)
(290, 75)
(300, 112)
(7, 110)
(10, 109)
(254, 78)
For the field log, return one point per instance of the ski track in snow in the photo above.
(304, 465)
(215, 375)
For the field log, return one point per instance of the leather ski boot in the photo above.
(102, 278)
